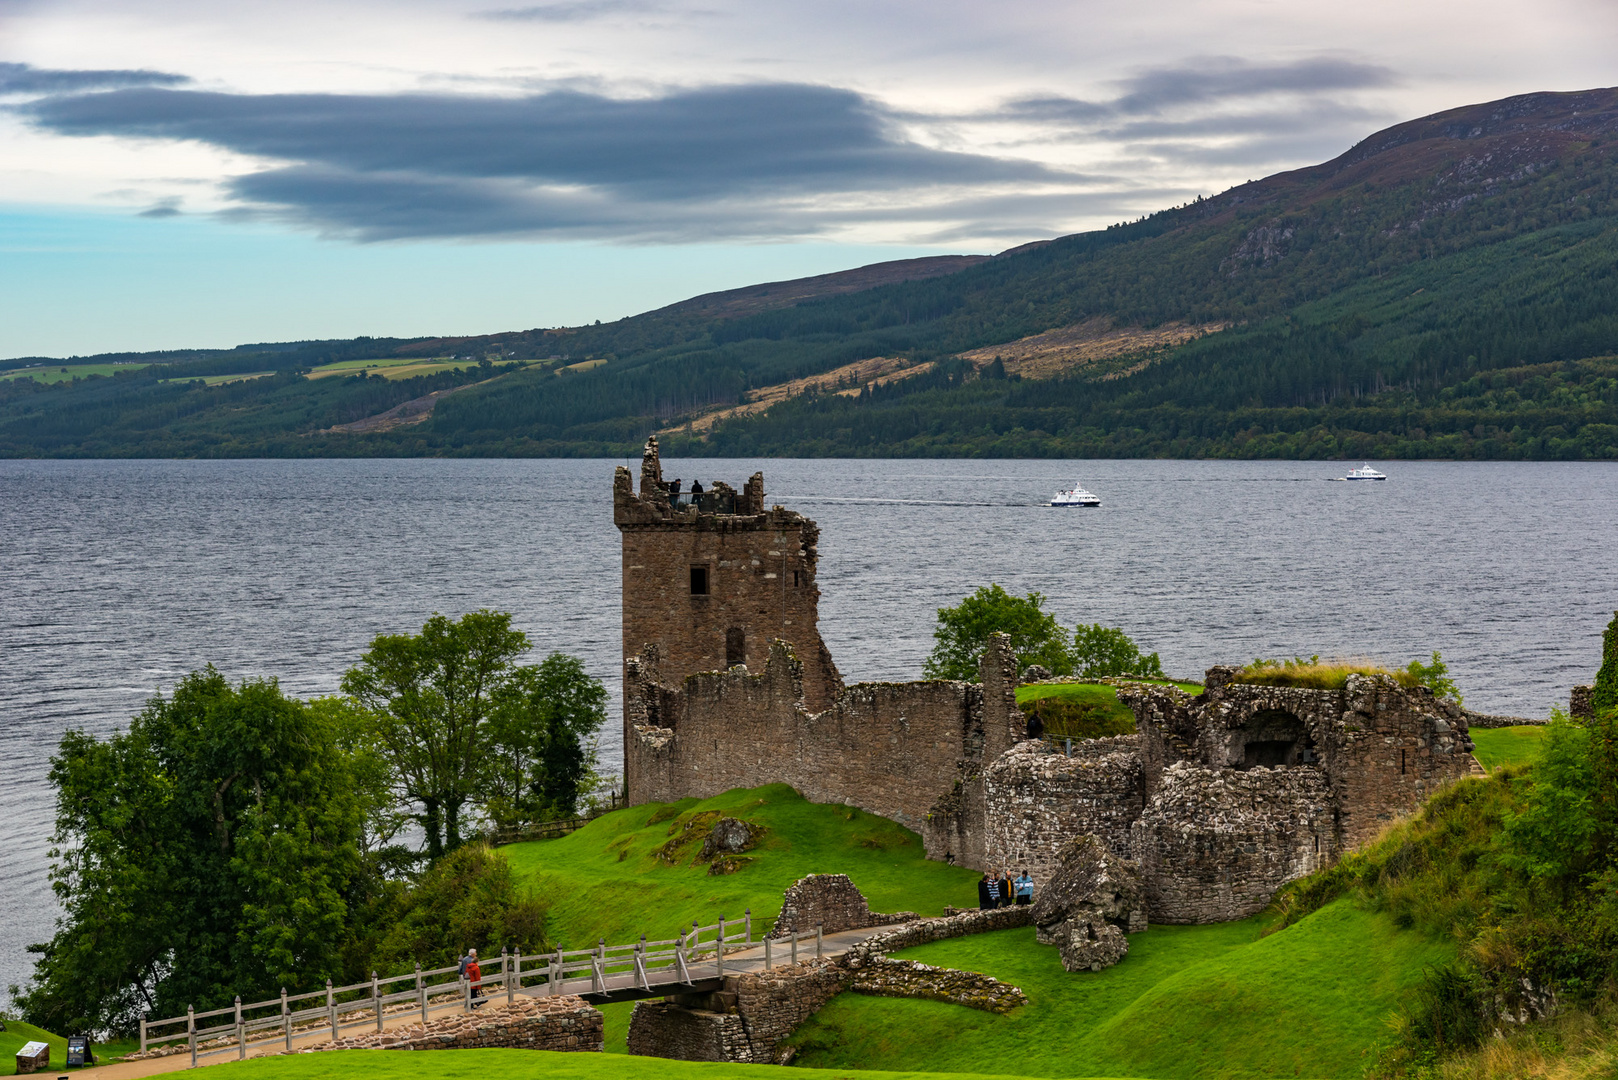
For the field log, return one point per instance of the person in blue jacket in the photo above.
(1025, 888)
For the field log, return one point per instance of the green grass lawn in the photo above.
(524, 1065)
(55, 373)
(17, 1033)
(1188, 1002)
(1495, 747)
(609, 879)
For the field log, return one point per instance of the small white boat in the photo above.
(1365, 472)
(1075, 497)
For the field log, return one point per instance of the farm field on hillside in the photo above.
(55, 373)
(1188, 1002)
(1506, 746)
(391, 367)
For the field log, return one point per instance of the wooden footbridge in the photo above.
(695, 962)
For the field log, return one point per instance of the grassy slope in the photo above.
(16, 1034)
(1203, 1001)
(1506, 746)
(515, 1065)
(606, 880)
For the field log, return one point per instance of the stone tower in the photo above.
(711, 579)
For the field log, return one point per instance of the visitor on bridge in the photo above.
(1025, 888)
(474, 975)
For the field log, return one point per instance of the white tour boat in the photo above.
(1076, 497)
(1365, 472)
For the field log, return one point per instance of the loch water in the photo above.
(117, 577)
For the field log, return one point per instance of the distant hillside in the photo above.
(1445, 288)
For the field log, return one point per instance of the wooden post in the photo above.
(191, 1032)
(817, 941)
(598, 977)
(241, 1032)
(421, 995)
(794, 947)
(376, 999)
(747, 926)
(719, 953)
(767, 961)
(286, 1018)
(331, 1012)
(143, 1017)
(466, 993)
(516, 973)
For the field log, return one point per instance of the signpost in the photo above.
(78, 1050)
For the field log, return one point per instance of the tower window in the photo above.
(699, 581)
(735, 646)
(797, 579)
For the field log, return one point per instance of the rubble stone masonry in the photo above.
(831, 902)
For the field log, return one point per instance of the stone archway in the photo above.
(1271, 738)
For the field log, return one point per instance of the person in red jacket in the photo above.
(474, 975)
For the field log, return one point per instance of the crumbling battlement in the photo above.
(889, 748)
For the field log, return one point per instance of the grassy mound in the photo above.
(1189, 1001)
(16, 1034)
(640, 870)
(1498, 747)
(519, 1065)
(1082, 710)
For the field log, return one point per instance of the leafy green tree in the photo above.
(541, 741)
(1100, 651)
(205, 852)
(429, 695)
(963, 633)
(1435, 677)
(468, 899)
(1552, 836)
(1604, 695)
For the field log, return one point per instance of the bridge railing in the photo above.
(698, 953)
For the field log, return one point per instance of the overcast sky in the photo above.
(202, 173)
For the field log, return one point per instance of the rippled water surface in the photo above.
(116, 577)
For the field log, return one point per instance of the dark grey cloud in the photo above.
(27, 79)
(1204, 82)
(571, 11)
(738, 160)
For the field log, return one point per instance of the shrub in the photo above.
(1435, 677)
(1604, 695)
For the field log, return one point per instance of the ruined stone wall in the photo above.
(892, 749)
(746, 1021)
(759, 568)
(530, 1023)
(886, 977)
(924, 931)
(1214, 844)
(1381, 747)
(1398, 747)
(831, 902)
(1037, 798)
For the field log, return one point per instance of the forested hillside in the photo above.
(1443, 289)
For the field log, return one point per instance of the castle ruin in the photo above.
(1220, 798)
